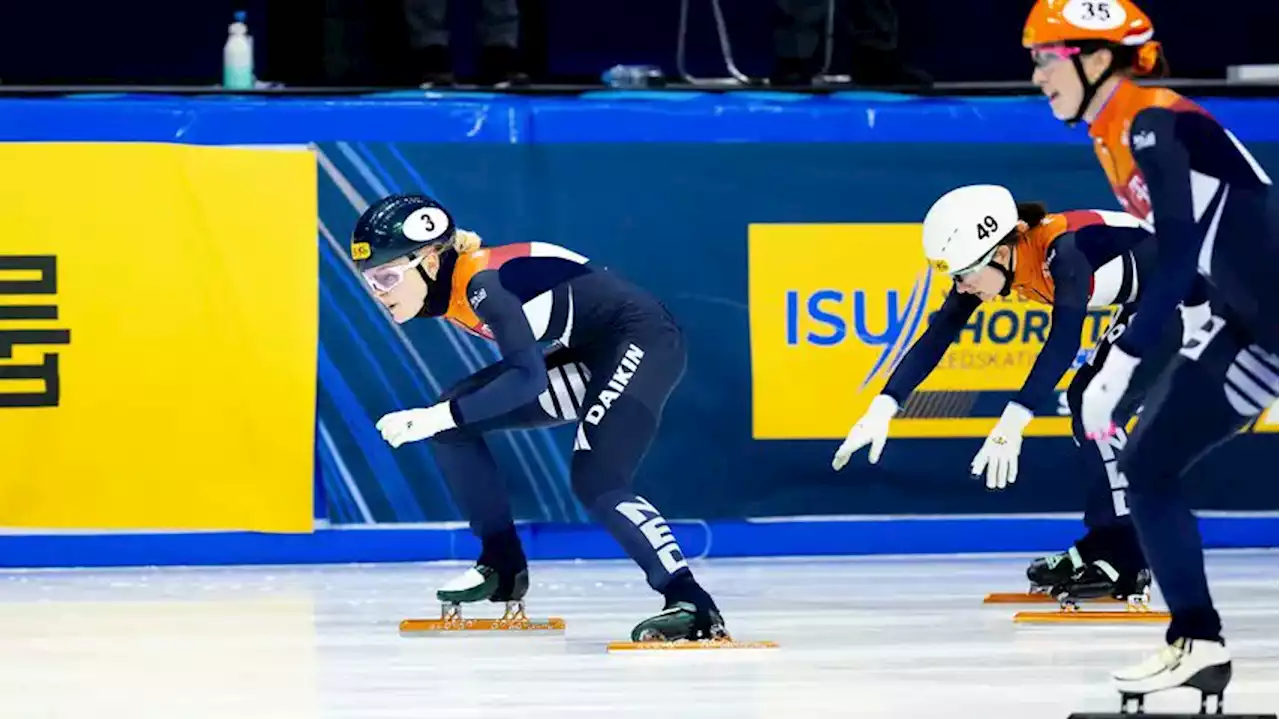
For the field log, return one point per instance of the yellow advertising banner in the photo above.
(158, 330)
(835, 314)
(834, 309)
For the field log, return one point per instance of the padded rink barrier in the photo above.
(597, 174)
(398, 543)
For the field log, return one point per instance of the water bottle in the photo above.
(237, 56)
(633, 76)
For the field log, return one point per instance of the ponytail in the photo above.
(1032, 213)
(1149, 60)
(465, 241)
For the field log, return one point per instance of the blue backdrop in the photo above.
(661, 188)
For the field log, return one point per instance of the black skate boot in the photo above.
(485, 583)
(1117, 545)
(1046, 572)
(681, 621)
(690, 614)
(1101, 579)
(501, 574)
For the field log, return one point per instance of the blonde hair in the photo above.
(465, 241)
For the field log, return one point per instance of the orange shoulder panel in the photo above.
(1031, 279)
(469, 265)
(1110, 133)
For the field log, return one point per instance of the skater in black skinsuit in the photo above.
(579, 344)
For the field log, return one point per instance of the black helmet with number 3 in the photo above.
(400, 225)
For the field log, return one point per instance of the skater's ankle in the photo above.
(503, 551)
(1182, 637)
(684, 588)
(1201, 624)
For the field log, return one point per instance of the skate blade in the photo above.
(1100, 617)
(443, 627)
(1163, 715)
(700, 645)
(1037, 598)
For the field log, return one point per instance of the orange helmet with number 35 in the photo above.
(1064, 22)
(1077, 27)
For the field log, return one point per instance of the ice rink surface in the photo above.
(870, 637)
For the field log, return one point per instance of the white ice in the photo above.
(871, 637)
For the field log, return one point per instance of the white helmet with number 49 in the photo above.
(963, 228)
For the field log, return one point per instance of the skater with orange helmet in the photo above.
(1214, 213)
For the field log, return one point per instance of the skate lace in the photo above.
(1171, 655)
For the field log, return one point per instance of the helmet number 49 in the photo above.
(987, 227)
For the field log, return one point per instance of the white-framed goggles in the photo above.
(986, 259)
(387, 277)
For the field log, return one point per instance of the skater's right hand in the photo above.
(872, 429)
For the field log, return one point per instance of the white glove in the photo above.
(999, 454)
(1194, 318)
(872, 429)
(413, 425)
(1104, 393)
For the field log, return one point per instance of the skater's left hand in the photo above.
(413, 425)
(999, 454)
(1104, 392)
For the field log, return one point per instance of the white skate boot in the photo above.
(1201, 664)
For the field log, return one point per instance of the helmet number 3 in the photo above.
(987, 228)
(1094, 14)
(426, 224)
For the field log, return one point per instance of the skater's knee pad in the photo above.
(608, 447)
(593, 475)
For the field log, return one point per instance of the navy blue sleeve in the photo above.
(1164, 161)
(924, 355)
(524, 375)
(1072, 275)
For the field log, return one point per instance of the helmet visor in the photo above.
(960, 275)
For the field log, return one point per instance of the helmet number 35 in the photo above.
(1094, 14)
(426, 224)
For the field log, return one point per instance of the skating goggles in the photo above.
(385, 279)
(986, 260)
(1046, 55)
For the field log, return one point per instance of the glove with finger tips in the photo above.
(872, 429)
(998, 458)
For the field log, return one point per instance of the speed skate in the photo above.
(1200, 665)
(513, 619)
(1134, 605)
(1137, 608)
(483, 584)
(681, 626)
(1132, 608)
